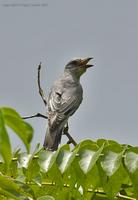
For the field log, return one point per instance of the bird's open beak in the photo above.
(84, 63)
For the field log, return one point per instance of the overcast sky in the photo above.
(54, 33)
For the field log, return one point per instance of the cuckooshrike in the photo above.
(64, 99)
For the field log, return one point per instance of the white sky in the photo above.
(55, 33)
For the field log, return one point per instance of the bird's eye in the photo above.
(74, 62)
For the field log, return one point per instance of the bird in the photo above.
(63, 100)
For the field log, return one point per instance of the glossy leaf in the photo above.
(88, 159)
(111, 162)
(65, 158)
(5, 147)
(12, 189)
(23, 159)
(131, 161)
(47, 159)
(114, 182)
(21, 128)
(47, 197)
(93, 170)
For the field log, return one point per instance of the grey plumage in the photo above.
(64, 99)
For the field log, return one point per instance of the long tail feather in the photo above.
(52, 139)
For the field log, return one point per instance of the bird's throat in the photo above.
(75, 74)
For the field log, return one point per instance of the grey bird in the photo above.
(64, 99)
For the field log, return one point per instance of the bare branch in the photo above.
(36, 115)
(71, 140)
(39, 86)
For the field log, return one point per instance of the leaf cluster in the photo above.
(93, 170)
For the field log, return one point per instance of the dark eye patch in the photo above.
(73, 63)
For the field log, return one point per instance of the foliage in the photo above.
(93, 170)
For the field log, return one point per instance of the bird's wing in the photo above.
(62, 106)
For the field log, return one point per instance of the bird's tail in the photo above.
(52, 139)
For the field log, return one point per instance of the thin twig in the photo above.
(71, 140)
(125, 197)
(36, 115)
(39, 86)
(65, 132)
(97, 191)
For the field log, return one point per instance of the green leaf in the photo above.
(32, 173)
(25, 189)
(24, 159)
(110, 162)
(92, 179)
(21, 128)
(89, 144)
(114, 182)
(131, 163)
(47, 197)
(12, 189)
(28, 131)
(5, 147)
(10, 111)
(100, 142)
(88, 158)
(46, 159)
(79, 174)
(13, 169)
(91, 171)
(65, 158)
(111, 170)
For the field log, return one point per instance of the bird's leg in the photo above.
(65, 132)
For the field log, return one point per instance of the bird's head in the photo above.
(78, 66)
